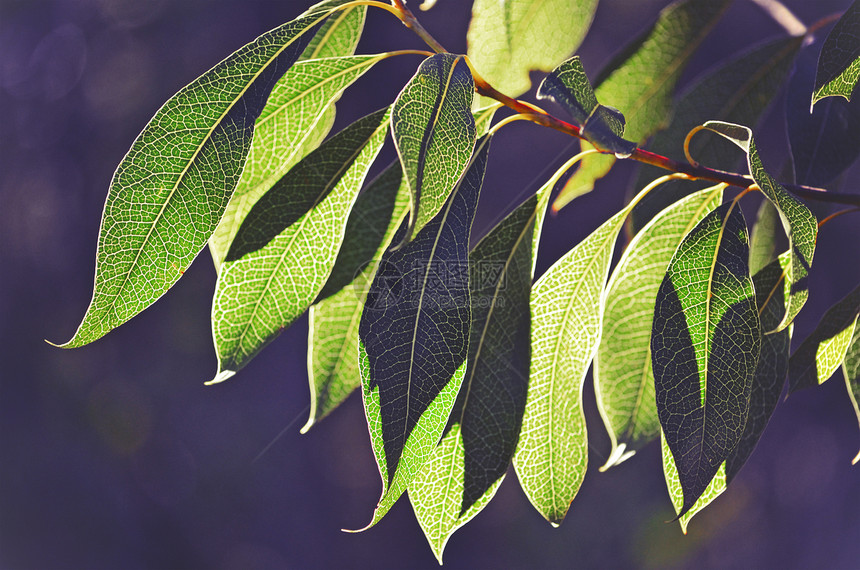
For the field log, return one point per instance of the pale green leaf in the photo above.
(798, 221)
(640, 82)
(623, 379)
(764, 236)
(508, 38)
(169, 192)
(338, 36)
(824, 350)
(284, 251)
(714, 489)
(705, 346)
(434, 132)
(851, 371)
(839, 63)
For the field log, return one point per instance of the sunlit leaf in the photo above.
(414, 337)
(169, 192)
(764, 235)
(772, 367)
(839, 63)
(705, 347)
(284, 251)
(466, 469)
(333, 321)
(602, 126)
(338, 36)
(508, 38)
(434, 132)
(738, 91)
(714, 489)
(640, 81)
(623, 380)
(823, 351)
(799, 223)
(851, 371)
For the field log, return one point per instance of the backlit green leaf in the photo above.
(640, 81)
(764, 236)
(338, 36)
(839, 63)
(333, 321)
(284, 251)
(414, 337)
(676, 493)
(851, 371)
(799, 223)
(466, 469)
(434, 132)
(823, 351)
(705, 347)
(169, 192)
(508, 38)
(737, 91)
(623, 380)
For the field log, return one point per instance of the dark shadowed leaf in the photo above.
(676, 493)
(466, 469)
(414, 337)
(799, 223)
(705, 346)
(284, 251)
(623, 380)
(851, 371)
(737, 91)
(839, 63)
(169, 192)
(434, 132)
(640, 81)
(823, 351)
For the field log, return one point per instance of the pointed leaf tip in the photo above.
(221, 377)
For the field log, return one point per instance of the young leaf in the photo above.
(414, 337)
(823, 351)
(676, 493)
(434, 132)
(824, 142)
(466, 469)
(333, 321)
(623, 380)
(851, 371)
(169, 192)
(799, 223)
(737, 91)
(602, 126)
(704, 348)
(641, 81)
(772, 367)
(282, 255)
(839, 63)
(508, 38)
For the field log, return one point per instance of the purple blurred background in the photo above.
(116, 456)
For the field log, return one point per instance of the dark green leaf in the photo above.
(414, 337)
(676, 493)
(434, 132)
(839, 63)
(799, 223)
(823, 351)
(284, 251)
(169, 192)
(705, 346)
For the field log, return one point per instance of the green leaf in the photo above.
(705, 347)
(823, 351)
(414, 337)
(602, 126)
(764, 236)
(508, 38)
(676, 493)
(772, 367)
(333, 321)
(851, 371)
(799, 223)
(333, 334)
(737, 91)
(641, 80)
(434, 132)
(839, 63)
(466, 469)
(623, 380)
(284, 251)
(169, 192)
(338, 36)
